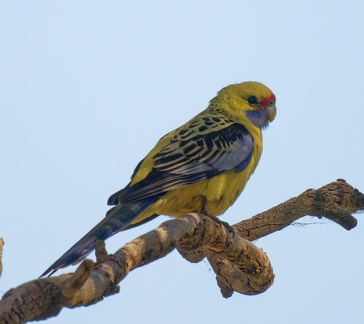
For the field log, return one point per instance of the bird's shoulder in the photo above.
(206, 133)
(207, 127)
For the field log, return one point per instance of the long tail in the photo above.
(116, 220)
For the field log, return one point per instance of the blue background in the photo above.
(88, 87)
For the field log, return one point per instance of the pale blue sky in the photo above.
(88, 87)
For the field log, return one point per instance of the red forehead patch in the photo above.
(271, 99)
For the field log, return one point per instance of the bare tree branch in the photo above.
(335, 201)
(239, 265)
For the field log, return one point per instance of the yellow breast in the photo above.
(219, 193)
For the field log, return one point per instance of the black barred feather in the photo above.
(191, 157)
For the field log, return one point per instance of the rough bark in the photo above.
(239, 265)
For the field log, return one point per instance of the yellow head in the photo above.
(247, 101)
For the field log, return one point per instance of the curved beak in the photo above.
(272, 112)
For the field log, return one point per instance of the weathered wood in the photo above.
(239, 265)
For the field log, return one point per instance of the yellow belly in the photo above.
(219, 193)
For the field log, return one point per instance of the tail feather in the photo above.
(116, 220)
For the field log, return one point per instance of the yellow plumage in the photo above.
(222, 190)
(201, 166)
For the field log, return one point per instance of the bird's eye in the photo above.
(253, 100)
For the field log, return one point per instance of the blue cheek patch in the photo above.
(259, 118)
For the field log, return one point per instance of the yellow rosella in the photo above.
(201, 166)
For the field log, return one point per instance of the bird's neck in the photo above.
(232, 110)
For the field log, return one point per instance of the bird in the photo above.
(202, 166)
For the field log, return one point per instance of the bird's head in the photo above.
(247, 101)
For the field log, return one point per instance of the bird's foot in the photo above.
(204, 211)
(227, 226)
(204, 207)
